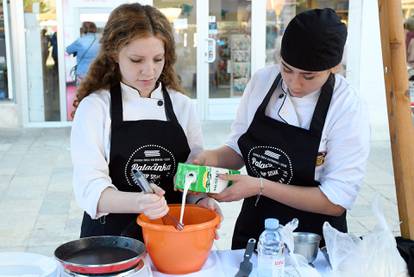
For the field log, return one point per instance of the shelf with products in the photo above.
(240, 63)
(223, 61)
(223, 57)
(232, 65)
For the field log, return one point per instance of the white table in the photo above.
(220, 263)
(225, 263)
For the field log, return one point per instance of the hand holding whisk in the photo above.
(146, 187)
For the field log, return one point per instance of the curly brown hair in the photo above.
(126, 23)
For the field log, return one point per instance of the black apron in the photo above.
(153, 146)
(287, 154)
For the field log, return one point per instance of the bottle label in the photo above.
(278, 268)
(271, 266)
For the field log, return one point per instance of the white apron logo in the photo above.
(154, 161)
(270, 163)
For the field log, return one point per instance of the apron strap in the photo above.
(262, 108)
(116, 104)
(322, 107)
(169, 111)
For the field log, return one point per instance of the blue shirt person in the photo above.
(85, 48)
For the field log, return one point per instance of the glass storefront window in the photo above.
(183, 18)
(280, 12)
(407, 7)
(408, 15)
(41, 60)
(229, 26)
(5, 94)
(72, 32)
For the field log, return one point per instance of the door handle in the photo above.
(211, 50)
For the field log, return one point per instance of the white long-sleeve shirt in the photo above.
(345, 136)
(91, 136)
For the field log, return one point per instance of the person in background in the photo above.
(85, 49)
(54, 45)
(44, 41)
(302, 133)
(409, 42)
(409, 30)
(132, 115)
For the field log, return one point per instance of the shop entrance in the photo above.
(213, 44)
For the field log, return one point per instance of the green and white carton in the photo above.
(206, 178)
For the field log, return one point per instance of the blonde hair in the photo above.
(126, 23)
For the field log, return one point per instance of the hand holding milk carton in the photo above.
(206, 178)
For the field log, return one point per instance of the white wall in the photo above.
(364, 63)
(9, 117)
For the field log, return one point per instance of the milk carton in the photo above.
(207, 178)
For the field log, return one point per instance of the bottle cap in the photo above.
(271, 223)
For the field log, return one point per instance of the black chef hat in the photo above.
(314, 40)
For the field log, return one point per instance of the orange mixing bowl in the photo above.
(180, 252)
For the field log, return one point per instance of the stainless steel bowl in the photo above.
(307, 245)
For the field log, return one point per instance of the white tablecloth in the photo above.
(225, 263)
(220, 263)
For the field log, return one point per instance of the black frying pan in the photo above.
(100, 254)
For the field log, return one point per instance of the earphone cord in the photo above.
(284, 99)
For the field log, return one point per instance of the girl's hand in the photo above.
(157, 190)
(211, 204)
(153, 205)
(206, 157)
(243, 186)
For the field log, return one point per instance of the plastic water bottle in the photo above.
(271, 260)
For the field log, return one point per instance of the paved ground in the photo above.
(38, 212)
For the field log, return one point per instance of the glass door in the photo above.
(229, 56)
(97, 15)
(74, 13)
(183, 18)
(41, 60)
(229, 25)
(213, 45)
(6, 93)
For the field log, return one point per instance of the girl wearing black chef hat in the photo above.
(131, 116)
(301, 132)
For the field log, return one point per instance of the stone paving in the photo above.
(38, 211)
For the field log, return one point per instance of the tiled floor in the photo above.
(38, 212)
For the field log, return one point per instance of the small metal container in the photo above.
(307, 245)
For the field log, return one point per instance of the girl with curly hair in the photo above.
(131, 117)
